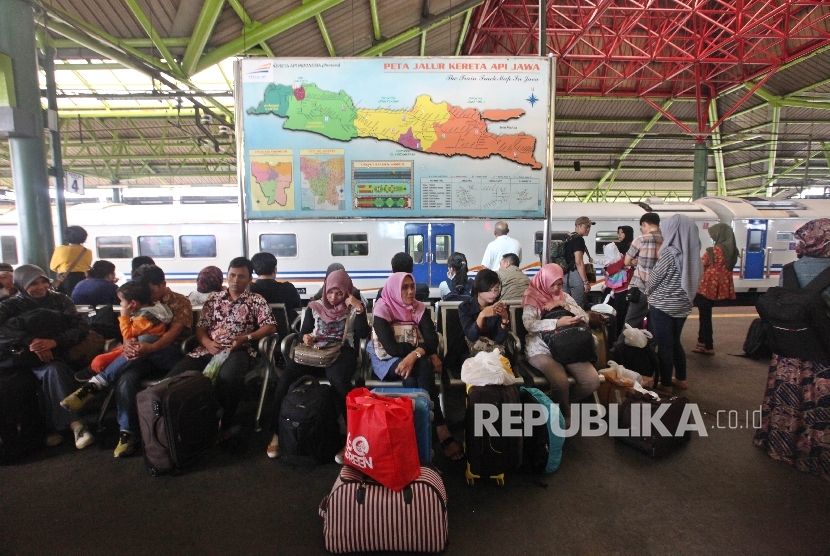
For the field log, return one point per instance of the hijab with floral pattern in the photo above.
(814, 239)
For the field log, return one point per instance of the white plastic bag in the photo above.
(621, 376)
(636, 337)
(214, 365)
(487, 368)
(605, 307)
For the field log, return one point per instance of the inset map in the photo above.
(272, 180)
(323, 175)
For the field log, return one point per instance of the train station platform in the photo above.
(717, 495)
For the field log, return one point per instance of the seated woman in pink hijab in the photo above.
(410, 352)
(545, 294)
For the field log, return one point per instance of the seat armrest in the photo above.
(287, 346)
(189, 345)
(267, 345)
(298, 321)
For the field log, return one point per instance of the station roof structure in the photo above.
(639, 82)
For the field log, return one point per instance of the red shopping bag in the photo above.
(381, 438)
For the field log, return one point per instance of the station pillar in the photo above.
(701, 171)
(22, 119)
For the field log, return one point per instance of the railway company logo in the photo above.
(262, 72)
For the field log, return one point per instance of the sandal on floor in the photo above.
(273, 450)
(455, 454)
(703, 350)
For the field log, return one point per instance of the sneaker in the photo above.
(79, 398)
(54, 439)
(83, 438)
(340, 456)
(126, 445)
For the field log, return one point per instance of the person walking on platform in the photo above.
(671, 286)
(71, 261)
(642, 255)
(576, 281)
(717, 284)
(500, 246)
(795, 423)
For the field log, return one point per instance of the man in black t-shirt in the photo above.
(265, 266)
(576, 279)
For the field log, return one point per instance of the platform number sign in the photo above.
(74, 183)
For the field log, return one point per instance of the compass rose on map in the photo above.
(532, 99)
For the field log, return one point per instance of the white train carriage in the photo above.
(764, 230)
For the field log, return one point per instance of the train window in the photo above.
(415, 247)
(156, 246)
(443, 248)
(349, 245)
(603, 239)
(279, 245)
(754, 241)
(114, 247)
(8, 249)
(197, 246)
(784, 236)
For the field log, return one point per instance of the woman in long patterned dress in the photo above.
(795, 416)
(717, 283)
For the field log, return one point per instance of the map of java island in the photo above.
(428, 127)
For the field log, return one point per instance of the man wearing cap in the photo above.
(7, 288)
(500, 246)
(576, 280)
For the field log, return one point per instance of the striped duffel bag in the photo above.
(361, 515)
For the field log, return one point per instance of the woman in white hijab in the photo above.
(671, 287)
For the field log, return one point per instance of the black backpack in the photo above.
(756, 345)
(308, 430)
(104, 321)
(797, 321)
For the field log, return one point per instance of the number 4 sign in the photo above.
(74, 183)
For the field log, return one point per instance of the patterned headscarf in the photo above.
(538, 292)
(390, 307)
(209, 280)
(332, 313)
(814, 239)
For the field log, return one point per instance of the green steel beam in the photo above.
(773, 148)
(175, 42)
(373, 10)
(826, 148)
(465, 28)
(717, 153)
(250, 24)
(201, 33)
(151, 32)
(325, 32)
(265, 32)
(426, 25)
(87, 67)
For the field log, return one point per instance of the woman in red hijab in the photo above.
(336, 314)
(545, 294)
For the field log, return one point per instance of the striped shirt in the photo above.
(664, 290)
(645, 247)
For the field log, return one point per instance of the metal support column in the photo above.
(116, 195)
(55, 140)
(28, 158)
(701, 170)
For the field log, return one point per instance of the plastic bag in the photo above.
(488, 368)
(605, 307)
(621, 376)
(636, 337)
(212, 369)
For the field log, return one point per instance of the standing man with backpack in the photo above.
(643, 254)
(576, 277)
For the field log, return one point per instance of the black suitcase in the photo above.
(178, 418)
(308, 429)
(655, 444)
(491, 456)
(21, 426)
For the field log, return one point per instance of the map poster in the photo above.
(396, 137)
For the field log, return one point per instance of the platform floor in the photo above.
(717, 495)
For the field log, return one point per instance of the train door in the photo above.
(755, 251)
(430, 245)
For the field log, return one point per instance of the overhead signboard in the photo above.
(394, 137)
(74, 183)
